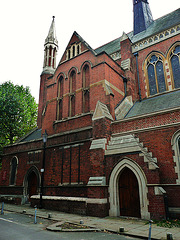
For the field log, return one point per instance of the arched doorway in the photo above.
(138, 181)
(32, 184)
(129, 194)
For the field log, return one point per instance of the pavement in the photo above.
(132, 227)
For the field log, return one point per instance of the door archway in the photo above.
(129, 201)
(137, 173)
(31, 183)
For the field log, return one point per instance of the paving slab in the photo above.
(132, 227)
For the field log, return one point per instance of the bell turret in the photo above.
(50, 50)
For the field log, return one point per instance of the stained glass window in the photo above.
(175, 63)
(152, 80)
(160, 77)
(156, 77)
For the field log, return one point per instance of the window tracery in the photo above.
(155, 74)
(175, 65)
(175, 142)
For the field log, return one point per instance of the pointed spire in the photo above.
(142, 16)
(52, 34)
(50, 50)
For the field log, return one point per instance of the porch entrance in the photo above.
(129, 201)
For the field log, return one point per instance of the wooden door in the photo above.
(32, 184)
(129, 194)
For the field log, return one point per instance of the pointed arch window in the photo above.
(69, 54)
(175, 142)
(50, 52)
(156, 81)
(72, 87)
(175, 65)
(54, 55)
(60, 98)
(85, 92)
(45, 56)
(78, 49)
(14, 164)
(73, 51)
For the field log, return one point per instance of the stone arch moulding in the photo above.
(89, 63)
(176, 157)
(61, 74)
(75, 69)
(25, 190)
(169, 52)
(171, 47)
(149, 55)
(114, 190)
(160, 58)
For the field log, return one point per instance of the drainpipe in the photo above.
(125, 86)
(136, 55)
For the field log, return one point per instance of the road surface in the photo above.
(14, 226)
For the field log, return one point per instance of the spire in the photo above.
(50, 50)
(142, 16)
(52, 34)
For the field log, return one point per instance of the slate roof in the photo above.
(155, 104)
(33, 135)
(83, 41)
(159, 25)
(110, 47)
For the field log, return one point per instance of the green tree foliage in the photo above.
(18, 112)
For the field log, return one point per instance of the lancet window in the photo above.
(13, 170)
(72, 88)
(175, 65)
(60, 98)
(156, 82)
(85, 92)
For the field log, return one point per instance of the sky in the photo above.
(24, 25)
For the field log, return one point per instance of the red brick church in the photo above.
(112, 120)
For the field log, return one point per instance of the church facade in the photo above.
(112, 120)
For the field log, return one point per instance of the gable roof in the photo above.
(85, 43)
(155, 104)
(33, 135)
(110, 47)
(76, 38)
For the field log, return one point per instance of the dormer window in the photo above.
(73, 51)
